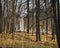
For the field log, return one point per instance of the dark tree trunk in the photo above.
(37, 20)
(58, 26)
(13, 18)
(0, 17)
(27, 16)
(57, 19)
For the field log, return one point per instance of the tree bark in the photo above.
(32, 16)
(27, 16)
(58, 23)
(37, 20)
(46, 18)
(13, 18)
(56, 19)
(52, 28)
(0, 17)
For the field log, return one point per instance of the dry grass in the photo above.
(25, 40)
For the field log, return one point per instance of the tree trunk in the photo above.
(42, 27)
(57, 19)
(0, 17)
(27, 16)
(52, 28)
(46, 18)
(32, 16)
(46, 26)
(13, 18)
(58, 23)
(37, 20)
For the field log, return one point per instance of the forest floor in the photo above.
(26, 40)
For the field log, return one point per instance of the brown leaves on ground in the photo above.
(25, 38)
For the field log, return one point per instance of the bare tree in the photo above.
(56, 19)
(32, 15)
(46, 17)
(37, 20)
(13, 17)
(27, 16)
(0, 17)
